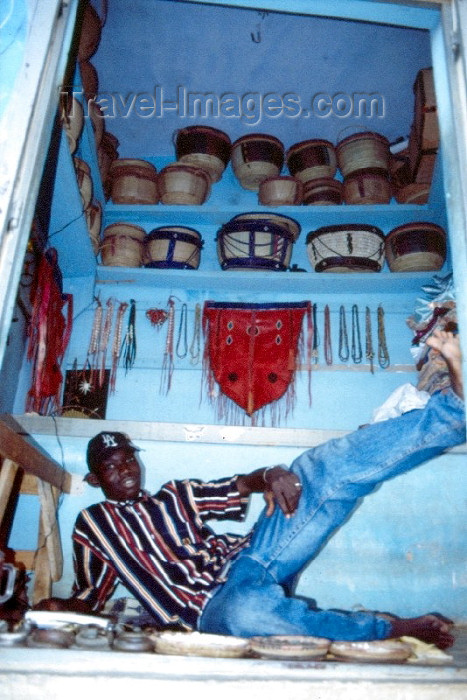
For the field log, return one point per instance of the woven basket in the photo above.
(94, 221)
(362, 151)
(183, 184)
(254, 245)
(315, 158)
(369, 186)
(173, 247)
(256, 157)
(281, 190)
(133, 181)
(322, 191)
(416, 247)
(346, 248)
(72, 118)
(204, 147)
(122, 245)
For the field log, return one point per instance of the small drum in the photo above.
(122, 245)
(133, 181)
(315, 158)
(369, 186)
(176, 247)
(256, 157)
(254, 245)
(322, 191)
(416, 247)
(280, 190)
(72, 118)
(346, 248)
(362, 151)
(184, 184)
(204, 147)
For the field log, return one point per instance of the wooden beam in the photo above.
(18, 450)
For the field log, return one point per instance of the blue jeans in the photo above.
(256, 599)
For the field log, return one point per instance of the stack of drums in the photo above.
(256, 157)
(416, 247)
(133, 181)
(123, 245)
(363, 160)
(314, 163)
(257, 241)
(176, 247)
(204, 147)
(346, 248)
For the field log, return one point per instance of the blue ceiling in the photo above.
(293, 76)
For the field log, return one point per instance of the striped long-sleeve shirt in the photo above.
(159, 547)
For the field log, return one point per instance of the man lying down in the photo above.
(188, 577)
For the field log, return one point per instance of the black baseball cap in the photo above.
(103, 444)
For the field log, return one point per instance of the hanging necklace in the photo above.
(314, 350)
(327, 336)
(182, 334)
(195, 347)
(356, 338)
(343, 337)
(129, 342)
(368, 340)
(104, 340)
(93, 348)
(383, 354)
(117, 339)
(168, 363)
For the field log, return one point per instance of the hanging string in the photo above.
(195, 347)
(129, 342)
(182, 340)
(357, 354)
(104, 340)
(369, 353)
(314, 350)
(327, 336)
(168, 363)
(116, 344)
(343, 337)
(383, 354)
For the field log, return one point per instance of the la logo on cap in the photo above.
(109, 440)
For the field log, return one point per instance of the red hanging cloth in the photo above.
(49, 333)
(252, 350)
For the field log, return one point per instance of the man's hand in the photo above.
(282, 487)
(63, 605)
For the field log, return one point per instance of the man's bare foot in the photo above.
(432, 629)
(447, 345)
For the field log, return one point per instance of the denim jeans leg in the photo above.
(334, 477)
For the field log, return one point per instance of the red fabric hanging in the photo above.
(251, 350)
(49, 333)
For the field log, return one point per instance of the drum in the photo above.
(254, 245)
(204, 147)
(133, 181)
(122, 245)
(176, 247)
(83, 176)
(281, 190)
(346, 248)
(183, 184)
(371, 186)
(322, 191)
(416, 247)
(314, 158)
(362, 151)
(256, 157)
